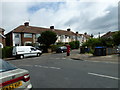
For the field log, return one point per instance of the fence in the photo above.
(110, 51)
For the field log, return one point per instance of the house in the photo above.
(2, 38)
(25, 34)
(108, 34)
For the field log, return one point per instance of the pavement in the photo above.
(108, 58)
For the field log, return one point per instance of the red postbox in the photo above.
(68, 50)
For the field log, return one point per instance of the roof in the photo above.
(32, 29)
(108, 34)
(87, 36)
(2, 35)
(1, 29)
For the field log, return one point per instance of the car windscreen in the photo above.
(5, 66)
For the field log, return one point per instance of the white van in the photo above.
(25, 51)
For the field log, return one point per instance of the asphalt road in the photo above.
(57, 71)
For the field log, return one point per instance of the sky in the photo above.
(91, 16)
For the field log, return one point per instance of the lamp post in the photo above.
(99, 34)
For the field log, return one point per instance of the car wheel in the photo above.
(38, 54)
(61, 51)
(21, 56)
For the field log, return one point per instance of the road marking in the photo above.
(47, 67)
(104, 76)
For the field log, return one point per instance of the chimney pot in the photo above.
(26, 23)
(76, 32)
(68, 29)
(51, 27)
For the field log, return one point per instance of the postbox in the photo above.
(68, 50)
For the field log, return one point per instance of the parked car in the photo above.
(118, 50)
(25, 51)
(61, 49)
(12, 77)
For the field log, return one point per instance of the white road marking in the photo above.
(47, 67)
(104, 76)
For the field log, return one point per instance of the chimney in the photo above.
(76, 32)
(68, 29)
(51, 27)
(85, 33)
(26, 23)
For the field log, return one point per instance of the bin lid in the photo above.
(99, 47)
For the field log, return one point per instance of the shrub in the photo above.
(28, 44)
(54, 47)
(74, 44)
(60, 43)
(7, 52)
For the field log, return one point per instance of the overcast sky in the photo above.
(91, 16)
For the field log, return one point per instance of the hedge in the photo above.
(7, 52)
(74, 44)
(54, 47)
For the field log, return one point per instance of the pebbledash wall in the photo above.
(24, 34)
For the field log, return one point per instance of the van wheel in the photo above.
(38, 54)
(21, 56)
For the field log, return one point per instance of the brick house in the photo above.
(24, 34)
(2, 38)
(108, 34)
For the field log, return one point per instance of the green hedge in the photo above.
(7, 52)
(74, 44)
(54, 47)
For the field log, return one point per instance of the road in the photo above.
(57, 71)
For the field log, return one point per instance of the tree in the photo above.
(108, 42)
(47, 38)
(92, 42)
(116, 38)
(74, 44)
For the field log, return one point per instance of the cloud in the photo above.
(91, 17)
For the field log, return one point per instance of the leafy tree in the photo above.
(92, 42)
(116, 38)
(47, 38)
(108, 42)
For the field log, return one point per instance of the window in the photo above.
(66, 36)
(1, 46)
(33, 49)
(16, 35)
(5, 66)
(37, 35)
(27, 35)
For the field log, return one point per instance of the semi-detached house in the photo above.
(2, 38)
(24, 34)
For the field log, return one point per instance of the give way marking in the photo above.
(105, 76)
